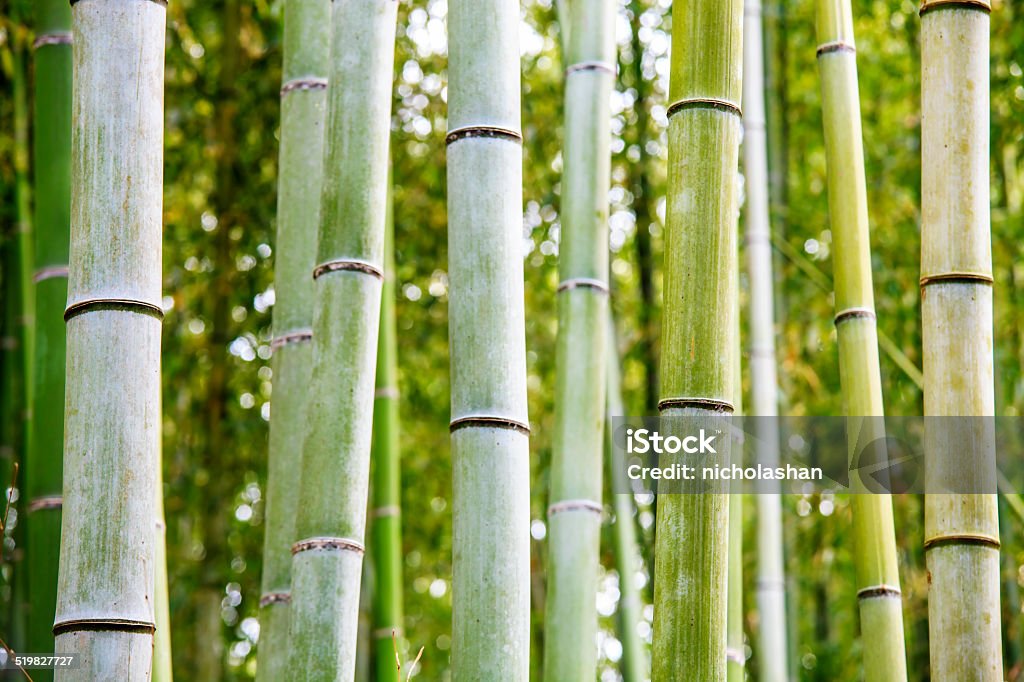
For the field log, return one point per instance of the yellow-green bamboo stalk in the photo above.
(489, 427)
(105, 599)
(699, 328)
(52, 168)
(961, 531)
(771, 595)
(878, 580)
(735, 652)
(303, 117)
(331, 520)
(574, 514)
(162, 669)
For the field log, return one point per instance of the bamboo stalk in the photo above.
(112, 420)
(699, 327)
(386, 495)
(735, 652)
(875, 540)
(303, 114)
(634, 666)
(490, 428)
(162, 662)
(52, 167)
(331, 521)
(961, 531)
(771, 580)
(574, 514)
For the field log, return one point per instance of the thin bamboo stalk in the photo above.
(303, 116)
(771, 581)
(52, 167)
(699, 328)
(735, 652)
(331, 521)
(386, 494)
(162, 666)
(105, 595)
(574, 514)
(490, 427)
(877, 571)
(961, 531)
(633, 666)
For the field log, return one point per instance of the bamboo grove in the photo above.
(327, 327)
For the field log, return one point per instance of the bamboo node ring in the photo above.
(704, 103)
(307, 83)
(385, 633)
(122, 304)
(879, 592)
(295, 336)
(770, 584)
(485, 421)
(957, 278)
(593, 65)
(386, 511)
(275, 598)
(495, 132)
(836, 46)
(55, 38)
(46, 502)
(343, 544)
(583, 282)
(386, 392)
(853, 313)
(735, 655)
(712, 404)
(50, 272)
(575, 505)
(104, 625)
(348, 265)
(978, 5)
(962, 539)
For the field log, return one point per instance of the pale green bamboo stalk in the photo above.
(387, 499)
(961, 531)
(52, 168)
(633, 666)
(771, 580)
(105, 596)
(574, 514)
(331, 521)
(162, 668)
(735, 652)
(699, 328)
(877, 573)
(490, 426)
(303, 117)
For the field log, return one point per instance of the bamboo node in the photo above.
(957, 278)
(275, 598)
(853, 313)
(386, 511)
(590, 66)
(770, 584)
(962, 539)
(735, 655)
(306, 83)
(104, 625)
(712, 404)
(836, 46)
(50, 272)
(484, 421)
(882, 591)
(347, 265)
(583, 282)
(979, 5)
(575, 505)
(386, 392)
(496, 132)
(122, 304)
(343, 544)
(46, 502)
(385, 633)
(55, 38)
(295, 336)
(704, 103)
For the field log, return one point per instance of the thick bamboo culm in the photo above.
(490, 428)
(961, 531)
(386, 524)
(331, 519)
(877, 573)
(52, 168)
(699, 327)
(303, 118)
(771, 645)
(105, 599)
(633, 666)
(575, 509)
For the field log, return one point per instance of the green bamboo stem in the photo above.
(877, 572)
(52, 167)
(961, 531)
(303, 116)
(771, 595)
(634, 666)
(162, 662)
(105, 596)
(386, 492)
(574, 514)
(735, 652)
(699, 328)
(490, 425)
(331, 521)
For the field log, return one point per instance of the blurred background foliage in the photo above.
(222, 80)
